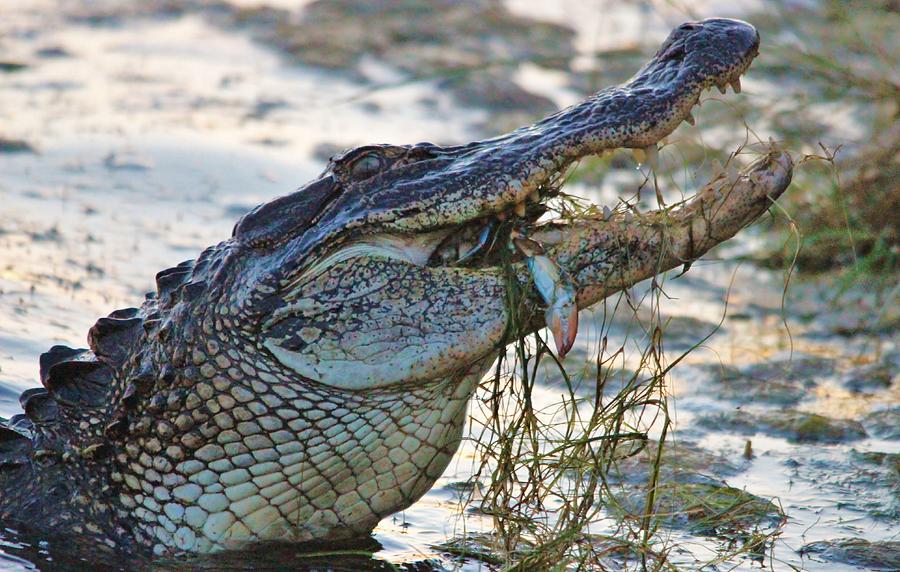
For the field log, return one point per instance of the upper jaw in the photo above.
(509, 177)
(523, 166)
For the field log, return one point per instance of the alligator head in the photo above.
(414, 210)
(310, 375)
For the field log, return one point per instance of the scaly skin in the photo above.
(310, 375)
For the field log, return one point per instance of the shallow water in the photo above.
(153, 136)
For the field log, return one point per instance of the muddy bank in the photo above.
(871, 555)
(471, 49)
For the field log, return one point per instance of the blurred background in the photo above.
(134, 134)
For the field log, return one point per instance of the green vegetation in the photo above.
(586, 463)
(883, 555)
(714, 509)
(839, 62)
(797, 426)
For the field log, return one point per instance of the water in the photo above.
(155, 135)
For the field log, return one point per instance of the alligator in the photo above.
(309, 375)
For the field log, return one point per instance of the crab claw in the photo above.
(562, 319)
(558, 293)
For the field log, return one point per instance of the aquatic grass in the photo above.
(549, 467)
(827, 85)
(731, 516)
(837, 53)
(552, 469)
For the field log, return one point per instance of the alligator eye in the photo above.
(365, 167)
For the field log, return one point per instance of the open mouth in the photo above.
(697, 57)
(487, 241)
(480, 243)
(504, 236)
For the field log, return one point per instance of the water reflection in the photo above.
(20, 550)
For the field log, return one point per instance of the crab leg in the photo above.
(483, 238)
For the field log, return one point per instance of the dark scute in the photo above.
(193, 290)
(130, 395)
(170, 279)
(167, 375)
(124, 313)
(14, 447)
(79, 383)
(182, 267)
(20, 423)
(283, 218)
(142, 380)
(57, 354)
(203, 260)
(39, 406)
(112, 338)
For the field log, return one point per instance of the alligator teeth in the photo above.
(520, 209)
(721, 89)
(639, 155)
(736, 85)
(652, 153)
(690, 119)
